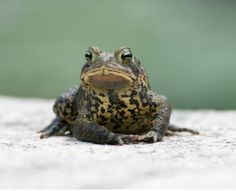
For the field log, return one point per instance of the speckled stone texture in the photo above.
(184, 161)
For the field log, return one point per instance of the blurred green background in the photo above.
(188, 47)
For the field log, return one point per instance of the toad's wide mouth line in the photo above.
(107, 71)
(107, 79)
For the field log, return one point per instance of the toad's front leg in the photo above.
(161, 115)
(161, 120)
(86, 130)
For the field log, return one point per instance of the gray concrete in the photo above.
(184, 161)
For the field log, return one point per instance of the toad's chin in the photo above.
(110, 81)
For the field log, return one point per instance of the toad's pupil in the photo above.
(127, 55)
(88, 55)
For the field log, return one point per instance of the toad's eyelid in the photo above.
(95, 50)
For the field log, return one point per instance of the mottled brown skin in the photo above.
(113, 104)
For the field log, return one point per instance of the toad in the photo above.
(113, 103)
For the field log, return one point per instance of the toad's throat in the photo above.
(107, 79)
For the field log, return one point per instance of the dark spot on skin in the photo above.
(101, 94)
(97, 100)
(132, 100)
(122, 113)
(144, 104)
(96, 104)
(102, 110)
(122, 104)
(131, 111)
(87, 116)
(116, 127)
(102, 118)
(110, 109)
(153, 109)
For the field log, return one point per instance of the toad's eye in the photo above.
(89, 55)
(126, 56)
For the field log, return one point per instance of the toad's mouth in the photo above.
(107, 79)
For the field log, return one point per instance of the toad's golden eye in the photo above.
(88, 55)
(126, 56)
(92, 53)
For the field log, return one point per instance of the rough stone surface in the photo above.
(184, 161)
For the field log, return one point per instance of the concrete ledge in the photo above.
(184, 161)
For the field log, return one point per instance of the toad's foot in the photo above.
(150, 137)
(56, 128)
(154, 136)
(172, 129)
